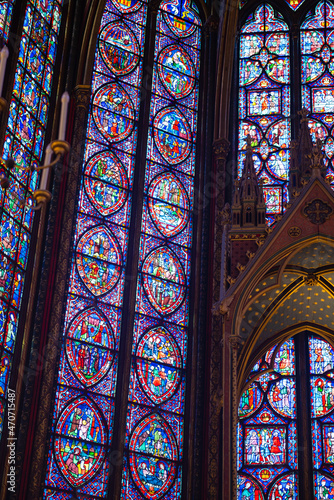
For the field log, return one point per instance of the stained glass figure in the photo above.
(324, 487)
(248, 489)
(168, 204)
(106, 183)
(119, 48)
(6, 9)
(172, 135)
(113, 112)
(158, 364)
(79, 455)
(24, 140)
(163, 280)
(264, 101)
(285, 488)
(317, 44)
(250, 400)
(79, 442)
(88, 347)
(153, 456)
(99, 260)
(267, 445)
(176, 71)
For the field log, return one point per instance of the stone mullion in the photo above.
(220, 150)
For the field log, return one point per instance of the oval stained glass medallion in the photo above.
(80, 441)
(176, 71)
(119, 48)
(172, 135)
(153, 455)
(163, 280)
(168, 204)
(99, 260)
(113, 112)
(106, 182)
(158, 364)
(88, 347)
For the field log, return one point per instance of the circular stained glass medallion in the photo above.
(88, 347)
(176, 71)
(9, 236)
(181, 21)
(119, 48)
(172, 135)
(158, 364)
(168, 204)
(153, 455)
(106, 182)
(80, 441)
(99, 260)
(113, 112)
(163, 280)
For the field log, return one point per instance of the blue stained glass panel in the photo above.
(24, 141)
(317, 46)
(264, 101)
(91, 336)
(267, 440)
(157, 382)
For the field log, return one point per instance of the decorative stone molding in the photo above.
(317, 211)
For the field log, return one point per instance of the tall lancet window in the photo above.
(24, 141)
(99, 322)
(264, 101)
(317, 47)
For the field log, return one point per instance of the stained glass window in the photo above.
(317, 46)
(264, 101)
(78, 455)
(267, 445)
(268, 431)
(155, 421)
(6, 9)
(24, 141)
(83, 419)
